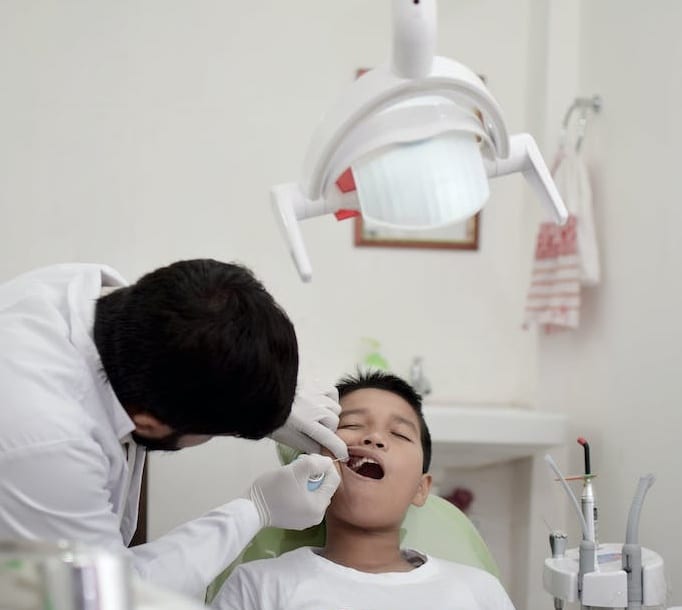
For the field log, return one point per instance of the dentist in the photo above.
(94, 373)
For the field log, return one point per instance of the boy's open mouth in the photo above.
(365, 466)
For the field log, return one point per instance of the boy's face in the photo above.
(384, 473)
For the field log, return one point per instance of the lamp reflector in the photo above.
(424, 184)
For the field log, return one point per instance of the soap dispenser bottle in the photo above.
(372, 359)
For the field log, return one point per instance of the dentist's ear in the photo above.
(423, 490)
(149, 426)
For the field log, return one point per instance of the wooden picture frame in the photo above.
(460, 236)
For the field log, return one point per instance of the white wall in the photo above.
(618, 374)
(137, 133)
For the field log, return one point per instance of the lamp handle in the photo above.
(284, 198)
(524, 156)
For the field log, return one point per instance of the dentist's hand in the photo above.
(282, 496)
(312, 423)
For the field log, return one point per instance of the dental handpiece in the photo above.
(587, 500)
(315, 480)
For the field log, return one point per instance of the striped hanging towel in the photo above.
(565, 257)
(554, 295)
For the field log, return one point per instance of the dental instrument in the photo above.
(587, 499)
(315, 480)
(614, 575)
(587, 561)
(557, 543)
(410, 144)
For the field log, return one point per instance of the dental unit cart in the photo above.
(603, 575)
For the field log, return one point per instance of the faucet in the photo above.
(417, 378)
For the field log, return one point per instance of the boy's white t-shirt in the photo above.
(303, 580)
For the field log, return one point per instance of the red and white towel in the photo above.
(566, 257)
(554, 296)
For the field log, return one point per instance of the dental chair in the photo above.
(438, 529)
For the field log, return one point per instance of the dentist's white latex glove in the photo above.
(282, 496)
(312, 423)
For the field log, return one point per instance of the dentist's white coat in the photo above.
(63, 466)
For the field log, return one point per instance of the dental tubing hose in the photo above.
(632, 550)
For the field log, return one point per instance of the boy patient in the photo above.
(362, 566)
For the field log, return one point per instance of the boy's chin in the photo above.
(366, 519)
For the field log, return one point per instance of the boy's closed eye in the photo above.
(402, 436)
(355, 426)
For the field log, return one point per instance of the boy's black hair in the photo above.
(391, 383)
(201, 346)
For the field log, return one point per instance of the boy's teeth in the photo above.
(366, 467)
(355, 462)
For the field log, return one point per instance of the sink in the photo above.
(473, 435)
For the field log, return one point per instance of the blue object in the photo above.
(315, 481)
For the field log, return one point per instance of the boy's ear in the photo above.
(422, 490)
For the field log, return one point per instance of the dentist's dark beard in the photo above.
(166, 443)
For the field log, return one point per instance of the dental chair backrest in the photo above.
(438, 529)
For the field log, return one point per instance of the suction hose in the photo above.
(632, 550)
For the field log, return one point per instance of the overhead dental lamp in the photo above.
(409, 145)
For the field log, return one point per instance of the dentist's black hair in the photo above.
(379, 380)
(201, 346)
